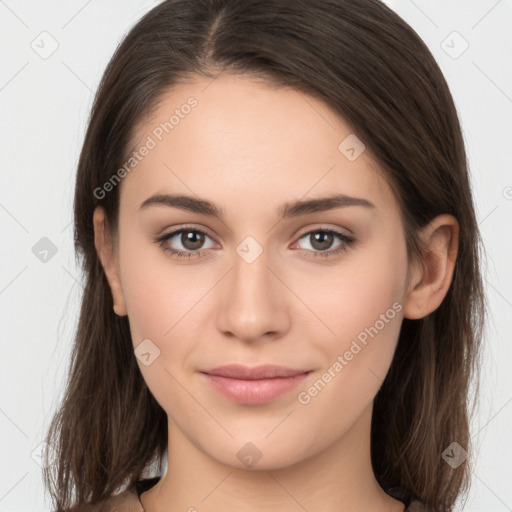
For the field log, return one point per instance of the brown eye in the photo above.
(192, 240)
(186, 243)
(321, 240)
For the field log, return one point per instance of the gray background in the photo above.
(45, 103)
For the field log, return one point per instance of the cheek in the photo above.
(362, 304)
(159, 294)
(160, 306)
(165, 305)
(364, 292)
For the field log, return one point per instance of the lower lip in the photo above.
(254, 392)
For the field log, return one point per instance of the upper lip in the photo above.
(267, 371)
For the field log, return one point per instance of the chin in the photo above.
(260, 453)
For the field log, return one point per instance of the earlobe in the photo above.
(431, 278)
(105, 249)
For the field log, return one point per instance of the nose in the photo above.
(253, 302)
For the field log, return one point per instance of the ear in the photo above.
(431, 278)
(106, 253)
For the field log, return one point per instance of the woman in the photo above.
(283, 297)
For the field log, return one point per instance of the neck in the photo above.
(338, 479)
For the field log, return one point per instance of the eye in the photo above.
(184, 243)
(190, 242)
(320, 242)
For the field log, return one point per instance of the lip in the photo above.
(257, 385)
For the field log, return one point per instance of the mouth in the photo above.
(252, 386)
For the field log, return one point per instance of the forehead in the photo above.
(236, 137)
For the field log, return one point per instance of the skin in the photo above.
(250, 148)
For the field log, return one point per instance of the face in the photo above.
(318, 290)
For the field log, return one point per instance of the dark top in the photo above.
(146, 484)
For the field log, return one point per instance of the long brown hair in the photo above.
(370, 67)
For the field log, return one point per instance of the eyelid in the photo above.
(314, 229)
(180, 227)
(346, 241)
(174, 230)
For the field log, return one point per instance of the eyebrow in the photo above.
(288, 210)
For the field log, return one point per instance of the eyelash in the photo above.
(347, 242)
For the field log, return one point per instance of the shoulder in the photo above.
(126, 501)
